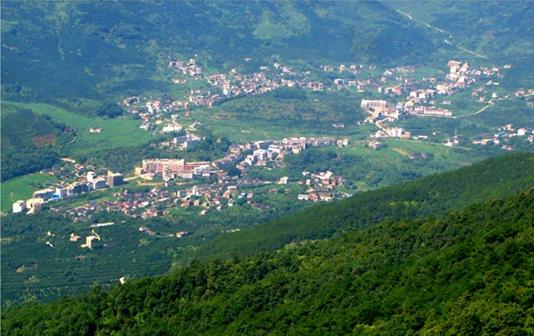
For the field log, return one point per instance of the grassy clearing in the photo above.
(396, 155)
(22, 188)
(452, 156)
(251, 130)
(463, 104)
(121, 132)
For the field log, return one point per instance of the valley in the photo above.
(234, 150)
(279, 167)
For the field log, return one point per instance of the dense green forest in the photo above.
(469, 273)
(428, 196)
(30, 142)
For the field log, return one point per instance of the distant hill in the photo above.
(491, 30)
(469, 273)
(98, 48)
(429, 196)
(30, 142)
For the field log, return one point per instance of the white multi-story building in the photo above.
(19, 206)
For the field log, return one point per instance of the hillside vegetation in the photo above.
(491, 30)
(30, 142)
(95, 49)
(66, 269)
(100, 49)
(428, 196)
(469, 273)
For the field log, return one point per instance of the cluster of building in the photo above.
(242, 156)
(190, 68)
(421, 96)
(269, 78)
(157, 201)
(392, 132)
(133, 204)
(182, 142)
(91, 183)
(204, 197)
(92, 241)
(272, 77)
(174, 168)
(505, 134)
(151, 110)
(222, 189)
(264, 152)
(321, 187)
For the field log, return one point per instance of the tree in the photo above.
(111, 110)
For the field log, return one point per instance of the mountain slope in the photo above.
(98, 48)
(105, 49)
(430, 196)
(491, 30)
(468, 274)
(33, 270)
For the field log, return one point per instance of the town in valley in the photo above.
(158, 186)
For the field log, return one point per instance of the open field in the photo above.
(22, 188)
(398, 149)
(240, 131)
(395, 164)
(120, 132)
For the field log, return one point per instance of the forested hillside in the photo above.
(30, 142)
(469, 273)
(491, 30)
(429, 196)
(32, 270)
(95, 49)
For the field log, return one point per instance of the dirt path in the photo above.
(449, 38)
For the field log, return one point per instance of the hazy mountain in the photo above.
(90, 49)
(74, 49)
